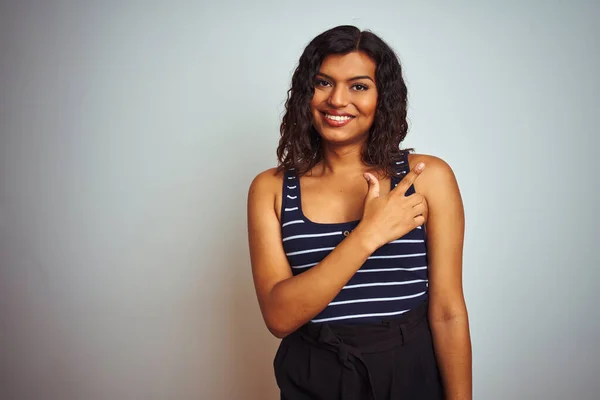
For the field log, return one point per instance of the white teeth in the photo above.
(338, 117)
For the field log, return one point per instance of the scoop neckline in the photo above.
(308, 220)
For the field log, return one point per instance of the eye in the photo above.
(360, 87)
(321, 82)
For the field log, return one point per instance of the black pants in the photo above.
(392, 360)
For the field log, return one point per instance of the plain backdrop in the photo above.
(130, 132)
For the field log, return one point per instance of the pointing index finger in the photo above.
(409, 178)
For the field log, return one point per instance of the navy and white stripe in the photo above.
(392, 281)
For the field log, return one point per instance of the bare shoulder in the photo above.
(266, 181)
(434, 164)
(437, 177)
(266, 189)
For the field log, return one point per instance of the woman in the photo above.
(356, 245)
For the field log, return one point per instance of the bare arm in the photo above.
(286, 301)
(447, 310)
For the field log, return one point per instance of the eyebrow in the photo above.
(351, 79)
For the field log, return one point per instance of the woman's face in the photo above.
(343, 105)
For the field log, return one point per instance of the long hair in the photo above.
(299, 145)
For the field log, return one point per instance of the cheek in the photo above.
(313, 106)
(318, 99)
(368, 106)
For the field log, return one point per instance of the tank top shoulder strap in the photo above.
(401, 168)
(290, 200)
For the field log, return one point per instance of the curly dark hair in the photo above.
(299, 146)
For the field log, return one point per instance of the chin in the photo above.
(338, 136)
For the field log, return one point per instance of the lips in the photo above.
(337, 119)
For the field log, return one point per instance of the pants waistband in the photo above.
(350, 342)
(369, 337)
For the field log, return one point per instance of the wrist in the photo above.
(366, 239)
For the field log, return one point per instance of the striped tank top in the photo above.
(391, 282)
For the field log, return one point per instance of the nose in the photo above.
(338, 97)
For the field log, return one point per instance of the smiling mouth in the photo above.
(337, 120)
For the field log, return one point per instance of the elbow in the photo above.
(450, 318)
(277, 327)
(279, 334)
(277, 319)
(448, 312)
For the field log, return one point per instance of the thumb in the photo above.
(373, 186)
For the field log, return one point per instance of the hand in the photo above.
(386, 218)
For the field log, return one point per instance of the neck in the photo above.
(342, 159)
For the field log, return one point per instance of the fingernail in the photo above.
(420, 166)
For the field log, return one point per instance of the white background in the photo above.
(130, 132)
